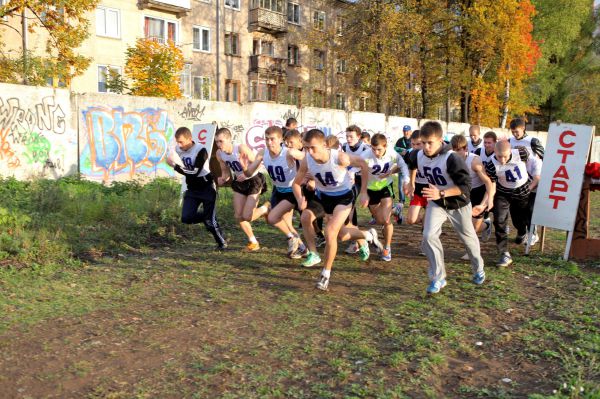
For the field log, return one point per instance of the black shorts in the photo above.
(375, 197)
(253, 185)
(278, 196)
(477, 195)
(329, 202)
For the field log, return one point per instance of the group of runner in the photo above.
(462, 181)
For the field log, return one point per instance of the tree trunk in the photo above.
(465, 102)
(505, 100)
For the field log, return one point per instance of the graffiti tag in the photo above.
(44, 116)
(192, 113)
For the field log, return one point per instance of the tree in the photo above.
(115, 82)
(66, 26)
(154, 69)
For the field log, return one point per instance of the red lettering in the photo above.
(202, 136)
(565, 153)
(561, 172)
(559, 185)
(556, 199)
(561, 139)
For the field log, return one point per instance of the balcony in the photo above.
(268, 67)
(178, 7)
(267, 21)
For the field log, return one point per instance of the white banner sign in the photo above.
(204, 134)
(557, 199)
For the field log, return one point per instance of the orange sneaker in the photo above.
(253, 246)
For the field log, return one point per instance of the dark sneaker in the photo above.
(505, 260)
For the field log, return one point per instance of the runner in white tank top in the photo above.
(280, 163)
(246, 190)
(482, 188)
(330, 170)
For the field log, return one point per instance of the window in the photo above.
(160, 30)
(186, 81)
(293, 13)
(273, 5)
(340, 101)
(235, 4)
(294, 96)
(201, 39)
(340, 66)
(232, 90)
(340, 25)
(202, 87)
(318, 98)
(108, 22)
(318, 60)
(232, 44)
(103, 74)
(260, 47)
(319, 20)
(293, 55)
(262, 91)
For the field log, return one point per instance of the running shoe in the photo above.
(253, 246)
(375, 241)
(323, 283)
(436, 286)
(311, 259)
(364, 252)
(505, 260)
(386, 255)
(352, 248)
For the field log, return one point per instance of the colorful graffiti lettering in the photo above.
(37, 148)
(125, 142)
(7, 155)
(255, 136)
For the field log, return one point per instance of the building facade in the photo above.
(234, 50)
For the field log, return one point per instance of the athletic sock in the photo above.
(368, 236)
(326, 273)
(290, 235)
(253, 240)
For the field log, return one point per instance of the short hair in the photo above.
(432, 128)
(289, 121)
(458, 141)
(490, 135)
(354, 128)
(314, 134)
(416, 134)
(378, 139)
(274, 130)
(291, 134)
(223, 132)
(365, 135)
(518, 122)
(183, 131)
(332, 142)
(475, 128)
(502, 145)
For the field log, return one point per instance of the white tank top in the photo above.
(330, 177)
(472, 147)
(435, 170)
(379, 166)
(362, 147)
(233, 161)
(475, 179)
(485, 158)
(523, 142)
(279, 170)
(513, 174)
(188, 158)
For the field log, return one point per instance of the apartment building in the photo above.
(234, 50)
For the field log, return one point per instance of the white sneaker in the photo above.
(352, 248)
(375, 241)
(323, 283)
(293, 243)
(532, 239)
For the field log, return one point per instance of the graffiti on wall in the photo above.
(191, 113)
(121, 142)
(27, 131)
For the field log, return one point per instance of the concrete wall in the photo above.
(38, 134)
(108, 137)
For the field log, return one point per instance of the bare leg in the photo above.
(308, 229)
(239, 201)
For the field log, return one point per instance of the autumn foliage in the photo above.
(154, 69)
